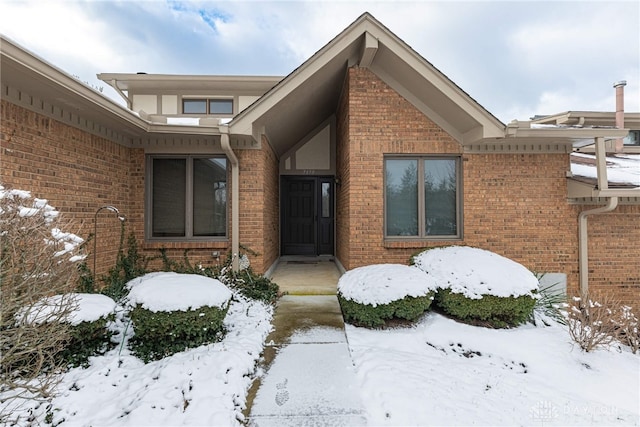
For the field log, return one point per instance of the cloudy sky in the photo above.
(516, 58)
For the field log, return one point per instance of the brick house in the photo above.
(365, 153)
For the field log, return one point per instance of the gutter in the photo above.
(583, 235)
(235, 196)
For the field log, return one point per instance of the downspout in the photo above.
(583, 255)
(235, 196)
(612, 203)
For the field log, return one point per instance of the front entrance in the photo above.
(307, 221)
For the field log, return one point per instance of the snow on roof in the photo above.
(623, 169)
(177, 292)
(476, 272)
(190, 121)
(384, 283)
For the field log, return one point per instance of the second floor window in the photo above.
(221, 106)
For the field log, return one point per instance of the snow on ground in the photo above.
(474, 272)
(201, 386)
(442, 372)
(438, 372)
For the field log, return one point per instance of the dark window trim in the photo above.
(148, 225)
(422, 236)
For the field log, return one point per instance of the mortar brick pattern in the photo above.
(513, 204)
(75, 171)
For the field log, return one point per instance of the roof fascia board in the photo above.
(243, 121)
(369, 27)
(575, 117)
(493, 127)
(55, 76)
(518, 131)
(369, 50)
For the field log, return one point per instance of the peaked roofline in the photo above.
(477, 123)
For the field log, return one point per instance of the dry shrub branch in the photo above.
(600, 321)
(36, 262)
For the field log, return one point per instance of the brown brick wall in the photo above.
(342, 200)
(514, 204)
(75, 171)
(259, 205)
(614, 253)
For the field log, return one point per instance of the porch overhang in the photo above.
(310, 94)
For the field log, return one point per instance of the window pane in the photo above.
(633, 138)
(401, 188)
(440, 197)
(326, 200)
(220, 106)
(169, 187)
(194, 106)
(209, 197)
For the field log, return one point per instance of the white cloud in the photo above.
(516, 58)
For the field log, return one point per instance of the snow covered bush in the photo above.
(479, 286)
(371, 295)
(37, 260)
(90, 335)
(171, 312)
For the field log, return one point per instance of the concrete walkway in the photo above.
(309, 380)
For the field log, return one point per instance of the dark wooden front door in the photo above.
(307, 216)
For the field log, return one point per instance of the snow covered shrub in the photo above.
(371, 295)
(497, 312)
(37, 260)
(171, 312)
(90, 335)
(479, 286)
(593, 324)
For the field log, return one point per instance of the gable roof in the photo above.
(309, 95)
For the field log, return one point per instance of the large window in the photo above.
(221, 106)
(422, 197)
(188, 197)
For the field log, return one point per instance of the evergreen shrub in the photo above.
(163, 333)
(497, 312)
(408, 308)
(87, 339)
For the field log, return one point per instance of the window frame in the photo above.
(207, 101)
(189, 222)
(422, 233)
